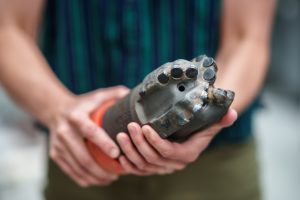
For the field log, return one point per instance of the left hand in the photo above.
(145, 153)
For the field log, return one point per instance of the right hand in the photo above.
(146, 153)
(70, 124)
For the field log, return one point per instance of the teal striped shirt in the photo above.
(99, 43)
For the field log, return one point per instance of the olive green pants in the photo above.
(227, 171)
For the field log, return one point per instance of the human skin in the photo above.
(246, 27)
(242, 58)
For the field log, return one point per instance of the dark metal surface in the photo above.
(177, 99)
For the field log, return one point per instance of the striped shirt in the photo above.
(99, 43)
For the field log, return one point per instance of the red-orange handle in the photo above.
(102, 159)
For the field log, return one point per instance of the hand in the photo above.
(149, 154)
(70, 126)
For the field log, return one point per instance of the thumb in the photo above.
(229, 118)
(97, 135)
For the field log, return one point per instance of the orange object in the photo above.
(102, 159)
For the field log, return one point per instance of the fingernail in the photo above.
(132, 130)
(114, 152)
(147, 132)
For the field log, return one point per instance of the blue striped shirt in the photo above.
(101, 43)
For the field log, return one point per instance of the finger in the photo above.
(104, 94)
(88, 163)
(148, 152)
(80, 180)
(227, 120)
(172, 150)
(131, 153)
(129, 168)
(75, 166)
(166, 171)
(164, 147)
(72, 174)
(97, 135)
(56, 154)
(197, 143)
(90, 172)
(117, 91)
(76, 146)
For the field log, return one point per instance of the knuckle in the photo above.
(61, 131)
(106, 178)
(154, 141)
(138, 141)
(142, 166)
(107, 145)
(152, 159)
(192, 158)
(121, 91)
(121, 87)
(166, 171)
(60, 134)
(167, 153)
(181, 167)
(89, 130)
(55, 145)
(162, 172)
(74, 115)
(86, 162)
(81, 184)
(53, 154)
(105, 182)
(170, 172)
(127, 149)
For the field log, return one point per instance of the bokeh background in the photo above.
(23, 149)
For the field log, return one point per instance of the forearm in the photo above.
(25, 75)
(244, 53)
(243, 66)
